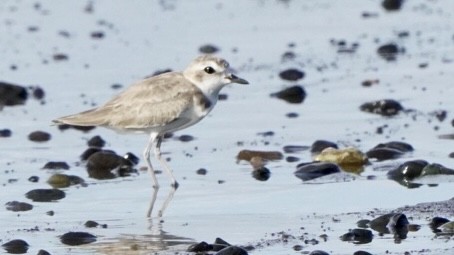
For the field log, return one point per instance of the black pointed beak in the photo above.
(235, 79)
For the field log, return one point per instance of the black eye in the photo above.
(209, 70)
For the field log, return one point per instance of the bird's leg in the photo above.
(153, 141)
(163, 162)
(146, 155)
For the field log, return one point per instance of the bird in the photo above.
(162, 104)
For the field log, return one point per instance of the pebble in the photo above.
(358, 236)
(408, 170)
(385, 107)
(5, 132)
(17, 206)
(389, 223)
(383, 153)
(88, 152)
(319, 145)
(346, 156)
(436, 222)
(201, 171)
(43, 252)
(101, 164)
(96, 141)
(11, 94)
(294, 95)
(56, 165)
(77, 238)
(318, 252)
(232, 250)
(261, 174)
(294, 148)
(291, 74)
(392, 5)
(45, 195)
(309, 171)
(208, 49)
(39, 136)
(185, 138)
(16, 246)
(389, 51)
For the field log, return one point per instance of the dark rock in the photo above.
(223, 97)
(318, 252)
(96, 141)
(408, 170)
(363, 223)
(16, 206)
(369, 83)
(11, 94)
(292, 115)
(358, 236)
(292, 159)
(56, 165)
(319, 145)
(401, 146)
(361, 253)
(39, 136)
(294, 95)
(185, 138)
(77, 238)
(33, 178)
(392, 5)
(97, 35)
(391, 223)
(37, 92)
(219, 240)
(16, 246)
(91, 224)
(208, 49)
(386, 107)
(294, 148)
(101, 164)
(60, 57)
(436, 222)
(202, 171)
(232, 250)
(261, 174)
(383, 153)
(389, 51)
(131, 158)
(291, 74)
(309, 171)
(5, 132)
(436, 169)
(200, 247)
(88, 152)
(45, 195)
(43, 252)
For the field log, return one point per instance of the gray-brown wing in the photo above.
(152, 102)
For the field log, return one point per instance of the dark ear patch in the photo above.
(203, 101)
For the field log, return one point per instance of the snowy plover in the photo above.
(161, 104)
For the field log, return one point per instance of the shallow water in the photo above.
(143, 37)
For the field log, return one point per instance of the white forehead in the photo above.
(205, 61)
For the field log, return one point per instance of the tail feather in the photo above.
(88, 118)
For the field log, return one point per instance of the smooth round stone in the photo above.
(45, 195)
(294, 95)
(358, 236)
(408, 170)
(17, 206)
(39, 136)
(56, 165)
(77, 238)
(319, 145)
(291, 74)
(232, 250)
(386, 107)
(309, 171)
(16, 246)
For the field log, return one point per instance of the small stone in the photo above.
(291, 74)
(389, 51)
(77, 238)
(16, 246)
(63, 180)
(386, 107)
(97, 35)
(202, 171)
(39, 136)
(60, 57)
(43, 252)
(294, 95)
(232, 250)
(101, 164)
(261, 174)
(45, 195)
(309, 171)
(392, 5)
(96, 141)
(358, 236)
(33, 178)
(319, 145)
(186, 138)
(56, 165)
(131, 158)
(11, 94)
(16, 206)
(200, 247)
(5, 133)
(91, 224)
(38, 92)
(88, 152)
(208, 49)
(294, 148)
(266, 155)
